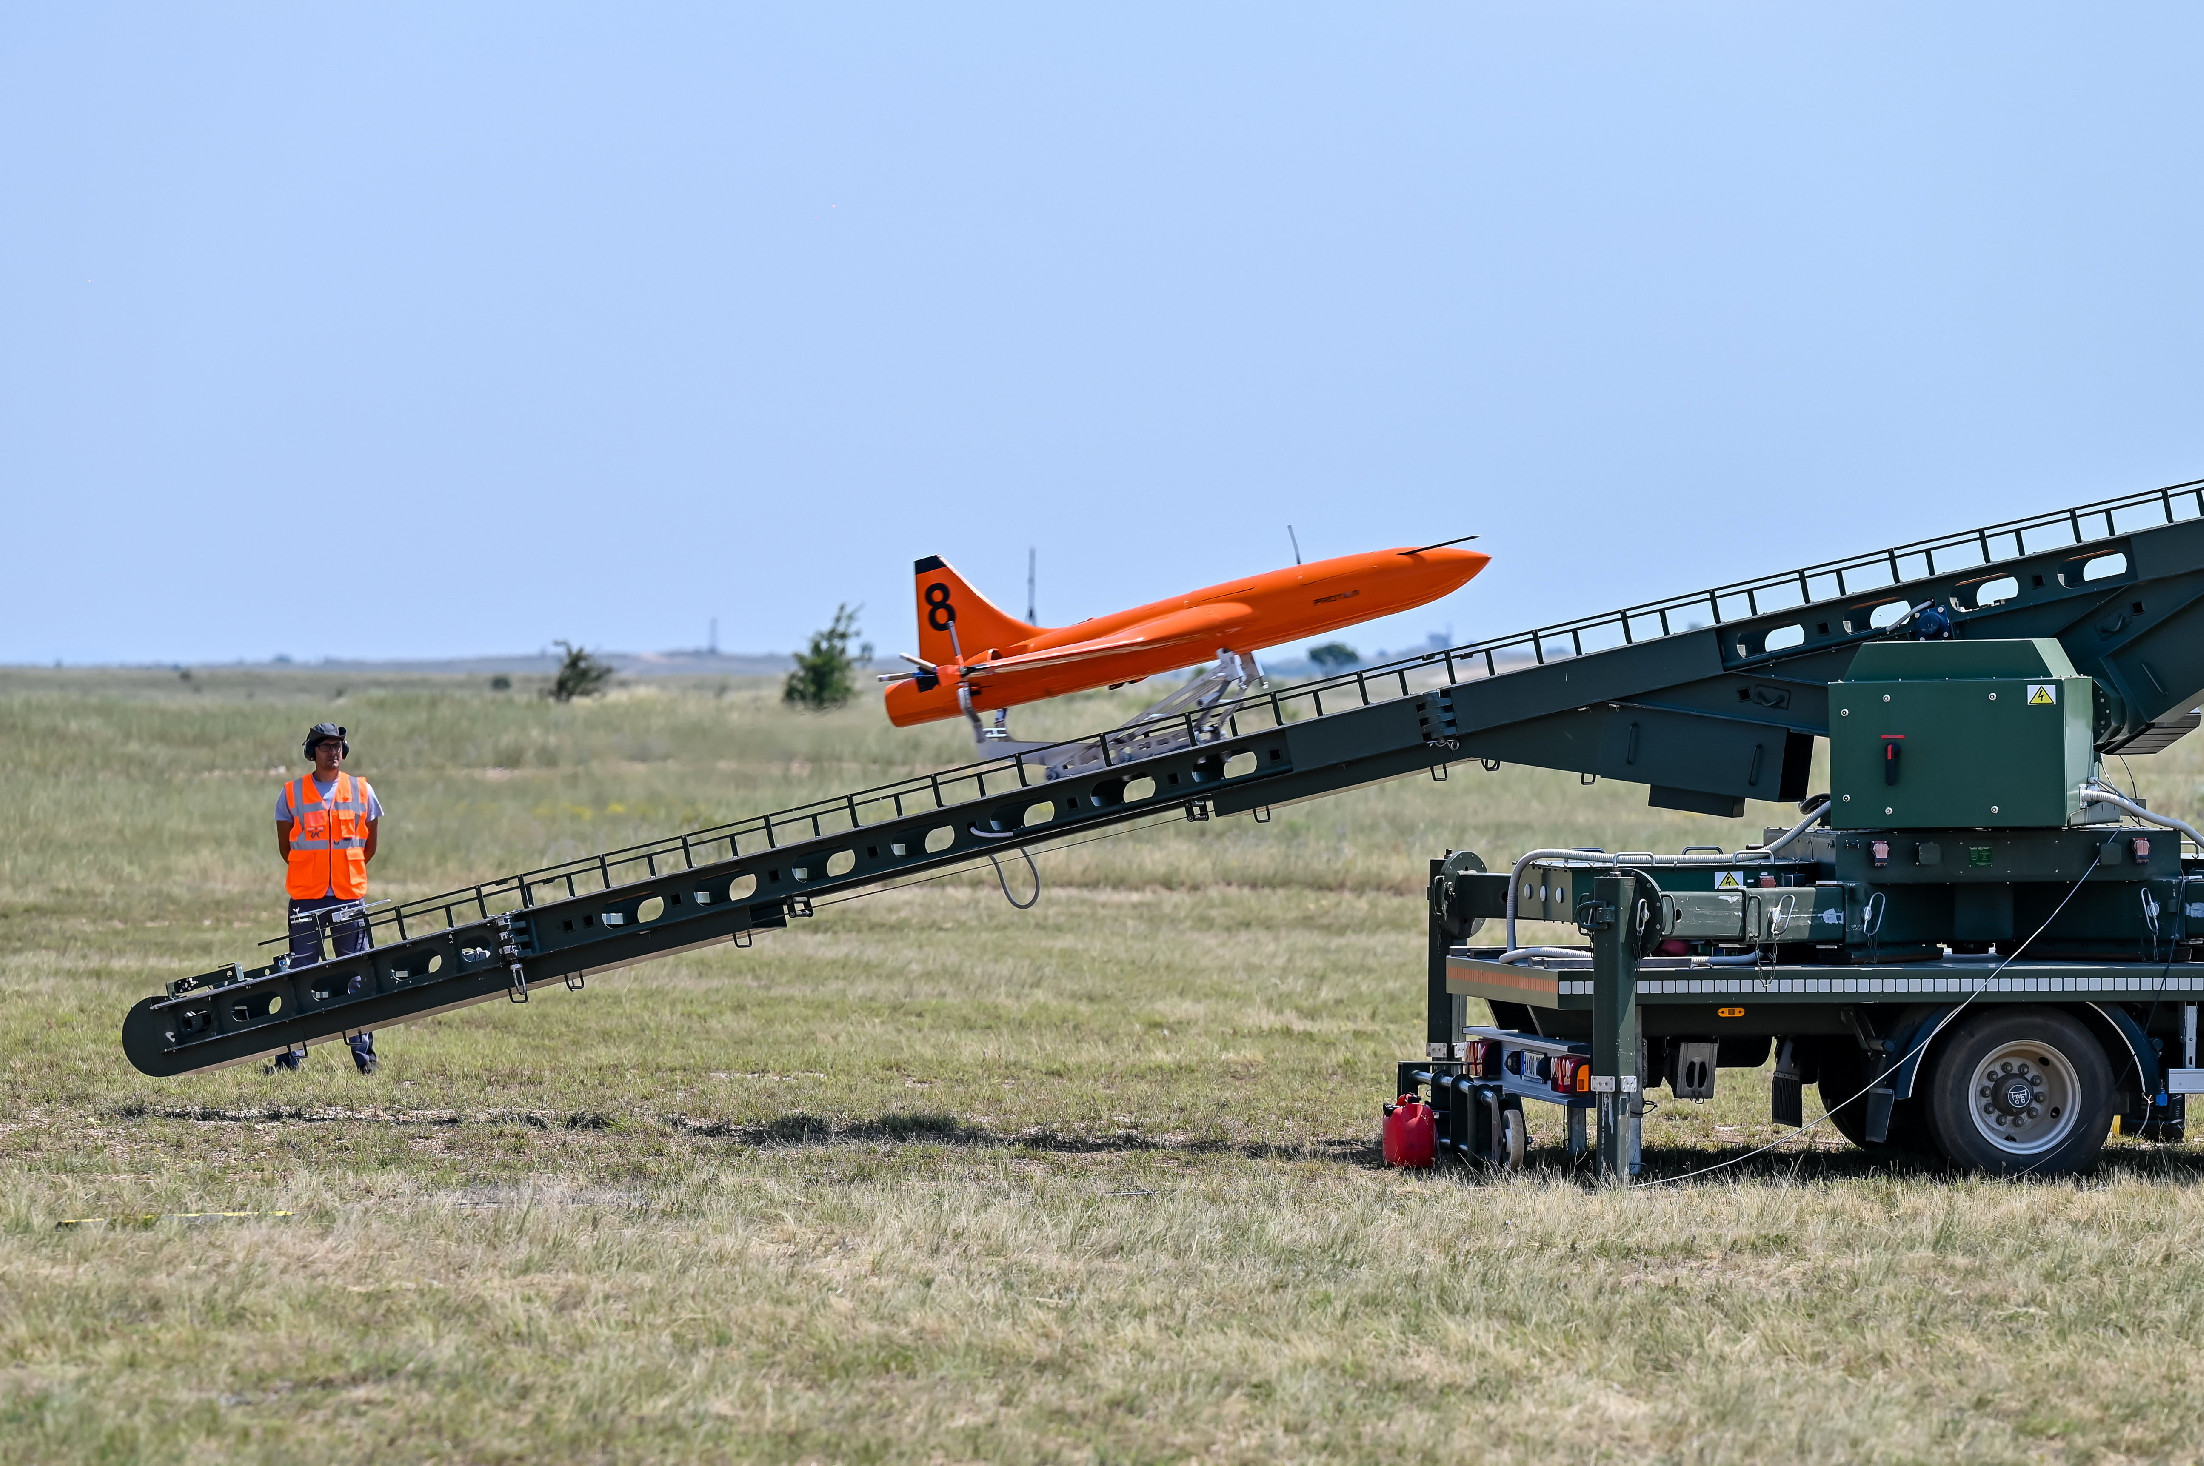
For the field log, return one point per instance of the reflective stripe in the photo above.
(346, 792)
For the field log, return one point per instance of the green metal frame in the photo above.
(1711, 699)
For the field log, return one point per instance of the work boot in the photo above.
(289, 1061)
(363, 1053)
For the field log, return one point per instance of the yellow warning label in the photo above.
(2043, 694)
(1729, 880)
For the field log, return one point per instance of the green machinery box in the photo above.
(1962, 735)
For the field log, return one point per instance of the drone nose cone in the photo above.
(1456, 567)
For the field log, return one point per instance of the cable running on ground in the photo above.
(1908, 1057)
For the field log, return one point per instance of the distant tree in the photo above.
(826, 671)
(501, 683)
(580, 674)
(1334, 656)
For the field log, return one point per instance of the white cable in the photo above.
(1910, 1054)
(2098, 794)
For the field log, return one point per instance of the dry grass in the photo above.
(928, 1179)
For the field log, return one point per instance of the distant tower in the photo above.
(713, 644)
(1032, 562)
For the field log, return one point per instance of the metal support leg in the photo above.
(2178, 1105)
(1438, 1028)
(507, 948)
(1609, 922)
(1578, 1143)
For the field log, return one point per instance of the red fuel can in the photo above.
(1411, 1133)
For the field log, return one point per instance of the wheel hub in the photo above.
(2024, 1097)
(2014, 1092)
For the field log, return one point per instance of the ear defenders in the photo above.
(322, 733)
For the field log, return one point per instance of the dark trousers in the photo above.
(345, 924)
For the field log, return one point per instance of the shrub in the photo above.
(826, 673)
(1334, 656)
(580, 674)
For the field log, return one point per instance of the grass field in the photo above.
(929, 1179)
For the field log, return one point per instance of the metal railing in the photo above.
(1768, 595)
(1842, 579)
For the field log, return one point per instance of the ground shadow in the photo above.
(1684, 1166)
(802, 1130)
(1674, 1165)
(799, 1130)
(340, 1115)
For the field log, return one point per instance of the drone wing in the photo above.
(1191, 627)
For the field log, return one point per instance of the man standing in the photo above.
(325, 832)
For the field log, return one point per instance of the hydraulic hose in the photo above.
(1751, 854)
(1664, 964)
(1517, 954)
(2091, 794)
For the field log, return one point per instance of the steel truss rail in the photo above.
(1711, 698)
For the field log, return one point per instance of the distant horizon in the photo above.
(1290, 654)
(673, 660)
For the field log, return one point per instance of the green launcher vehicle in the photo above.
(1972, 945)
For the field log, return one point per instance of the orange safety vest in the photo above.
(328, 840)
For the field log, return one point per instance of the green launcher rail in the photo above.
(1710, 699)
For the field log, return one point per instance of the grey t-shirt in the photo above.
(286, 815)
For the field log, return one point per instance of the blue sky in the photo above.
(414, 331)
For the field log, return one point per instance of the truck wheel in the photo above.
(2023, 1092)
(1514, 1138)
(1843, 1076)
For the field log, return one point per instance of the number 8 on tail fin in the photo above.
(956, 621)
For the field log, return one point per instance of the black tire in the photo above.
(1843, 1077)
(2023, 1092)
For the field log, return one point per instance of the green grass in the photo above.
(925, 1178)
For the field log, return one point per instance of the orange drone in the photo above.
(972, 657)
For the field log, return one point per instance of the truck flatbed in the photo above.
(1565, 985)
